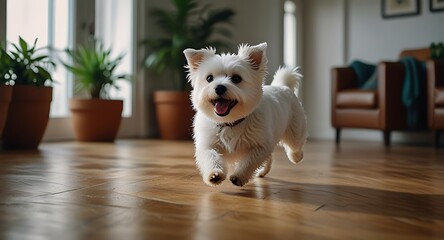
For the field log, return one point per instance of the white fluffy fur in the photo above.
(273, 114)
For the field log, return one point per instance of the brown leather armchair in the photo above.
(379, 109)
(435, 93)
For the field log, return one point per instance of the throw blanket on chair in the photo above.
(363, 72)
(414, 91)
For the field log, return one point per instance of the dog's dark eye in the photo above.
(210, 78)
(236, 78)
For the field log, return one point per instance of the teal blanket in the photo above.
(414, 92)
(413, 89)
(363, 71)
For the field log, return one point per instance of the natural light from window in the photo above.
(114, 26)
(51, 22)
(290, 33)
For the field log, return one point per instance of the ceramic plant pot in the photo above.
(5, 99)
(96, 120)
(28, 117)
(174, 114)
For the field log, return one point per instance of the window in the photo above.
(51, 22)
(290, 54)
(114, 27)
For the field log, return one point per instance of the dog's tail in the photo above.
(287, 76)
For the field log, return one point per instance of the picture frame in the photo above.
(436, 5)
(400, 8)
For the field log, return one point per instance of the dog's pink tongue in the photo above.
(222, 106)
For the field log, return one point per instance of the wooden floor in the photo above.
(142, 189)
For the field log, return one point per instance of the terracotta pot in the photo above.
(5, 99)
(96, 120)
(28, 117)
(174, 114)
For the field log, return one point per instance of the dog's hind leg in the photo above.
(293, 141)
(265, 168)
(294, 153)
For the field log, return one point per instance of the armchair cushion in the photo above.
(356, 98)
(439, 97)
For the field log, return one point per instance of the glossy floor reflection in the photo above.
(142, 189)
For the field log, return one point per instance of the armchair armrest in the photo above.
(390, 83)
(435, 72)
(435, 78)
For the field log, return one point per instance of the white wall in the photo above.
(323, 47)
(373, 38)
(258, 21)
(338, 31)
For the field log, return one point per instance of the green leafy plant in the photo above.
(5, 74)
(23, 66)
(94, 69)
(437, 50)
(186, 26)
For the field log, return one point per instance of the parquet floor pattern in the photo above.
(148, 189)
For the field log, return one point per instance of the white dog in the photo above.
(239, 121)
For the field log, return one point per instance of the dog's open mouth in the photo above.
(223, 106)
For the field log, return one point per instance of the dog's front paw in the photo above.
(238, 181)
(215, 178)
(261, 172)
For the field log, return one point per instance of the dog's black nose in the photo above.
(220, 89)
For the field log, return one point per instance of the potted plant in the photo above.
(97, 118)
(28, 112)
(188, 25)
(437, 50)
(5, 89)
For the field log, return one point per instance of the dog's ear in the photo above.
(195, 57)
(255, 54)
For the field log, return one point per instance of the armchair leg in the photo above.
(437, 138)
(387, 138)
(338, 135)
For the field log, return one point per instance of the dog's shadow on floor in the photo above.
(423, 207)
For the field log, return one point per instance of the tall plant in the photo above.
(94, 69)
(188, 25)
(24, 66)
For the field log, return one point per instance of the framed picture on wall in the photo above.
(436, 5)
(401, 8)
